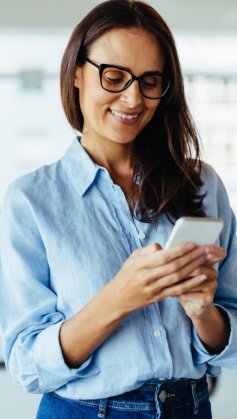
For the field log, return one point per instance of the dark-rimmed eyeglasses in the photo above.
(115, 79)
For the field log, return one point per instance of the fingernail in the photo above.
(190, 245)
(214, 260)
(202, 277)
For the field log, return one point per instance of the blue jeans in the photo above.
(181, 399)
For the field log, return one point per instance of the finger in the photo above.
(166, 256)
(211, 260)
(216, 252)
(146, 250)
(204, 290)
(209, 271)
(181, 288)
(202, 287)
(176, 265)
(208, 285)
(165, 281)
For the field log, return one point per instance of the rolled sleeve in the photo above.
(50, 365)
(227, 357)
(30, 322)
(226, 293)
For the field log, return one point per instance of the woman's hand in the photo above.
(198, 301)
(151, 274)
(211, 322)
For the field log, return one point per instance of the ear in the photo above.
(77, 78)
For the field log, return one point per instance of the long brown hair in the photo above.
(166, 153)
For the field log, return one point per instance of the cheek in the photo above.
(154, 105)
(94, 103)
(94, 97)
(151, 109)
(87, 102)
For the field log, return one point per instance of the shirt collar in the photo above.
(79, 166)
(82, 170)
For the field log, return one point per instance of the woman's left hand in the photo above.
(198, 302)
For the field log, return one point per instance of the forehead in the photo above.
(130, 47)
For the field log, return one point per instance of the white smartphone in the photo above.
(199, 230)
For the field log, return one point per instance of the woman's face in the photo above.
(118, 117)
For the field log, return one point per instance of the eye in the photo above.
(114, 76)
(151, 81)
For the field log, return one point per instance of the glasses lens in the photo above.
(115, 79)
(152, 86)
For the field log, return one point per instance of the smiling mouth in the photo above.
(125, 116)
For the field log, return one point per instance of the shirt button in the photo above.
(157, 333)
(141, 236)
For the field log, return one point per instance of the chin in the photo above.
(125, 140)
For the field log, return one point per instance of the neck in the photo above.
(115, 157)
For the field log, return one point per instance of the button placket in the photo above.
(119, 208)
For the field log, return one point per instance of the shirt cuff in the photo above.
(228, 356)
(52, 370)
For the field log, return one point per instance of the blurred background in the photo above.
(34, 131)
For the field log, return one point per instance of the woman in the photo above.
(96, 314)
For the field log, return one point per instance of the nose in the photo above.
(132, 95)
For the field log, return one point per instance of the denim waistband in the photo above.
(173, 383)
(158, 396)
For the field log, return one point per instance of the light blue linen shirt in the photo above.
(66, 230)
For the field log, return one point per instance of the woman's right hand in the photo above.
(151, 274)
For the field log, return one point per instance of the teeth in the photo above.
(122, 115)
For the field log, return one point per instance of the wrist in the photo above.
(113, 299)
(213, 329)
(204, 314)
